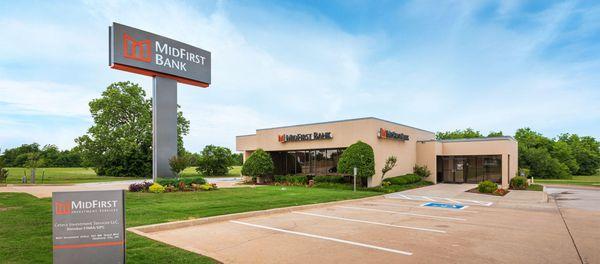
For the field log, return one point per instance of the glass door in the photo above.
(459, 169)
(448, 169)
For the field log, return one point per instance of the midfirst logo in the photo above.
(164, 55)
(387, 134)
(69, 207)
(304, 137)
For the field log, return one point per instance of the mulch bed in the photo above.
(475, 190)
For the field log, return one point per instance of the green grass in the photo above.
(576, 180)
(61, 176)
(235, 171)
(85, 175)
(535, 187)
(26, 222)
(383, 189)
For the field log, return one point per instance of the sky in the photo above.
(435, 65)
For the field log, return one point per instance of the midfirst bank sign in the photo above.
(146, 53)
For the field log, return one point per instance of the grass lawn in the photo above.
(60, 176)
(26, 222)
(84, 175)
(577, 180)
(235, 171)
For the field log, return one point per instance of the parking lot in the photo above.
(388, 229)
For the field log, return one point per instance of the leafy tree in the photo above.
(541, 164)
(214, 161)
(119, 143)
(562, 151)
(11, 156)
(495, 134)
(238, 159)
(531, 139)
(390, 163)
(359, 155)
(585, 150)
(259, 163)
(178, 164)
(458, 134)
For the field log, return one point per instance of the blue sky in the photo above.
(436, 65)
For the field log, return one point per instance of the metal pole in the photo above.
(164, 126)
(355, 172)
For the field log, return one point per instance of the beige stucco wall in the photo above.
(346, 133)
(507, 147)
(419, 149)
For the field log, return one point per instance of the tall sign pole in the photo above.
(169, 62)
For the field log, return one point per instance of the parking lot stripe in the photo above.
(373, 223)
(403, 213)
(324, 238)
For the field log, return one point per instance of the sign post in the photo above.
(168, 61)
(88, 227)
(355, 172)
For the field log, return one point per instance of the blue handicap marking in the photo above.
(445, 205)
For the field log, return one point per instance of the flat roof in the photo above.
(470, 139)
(346, 120)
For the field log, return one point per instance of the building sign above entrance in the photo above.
(305, 137)
(142, 52)
(387, 134)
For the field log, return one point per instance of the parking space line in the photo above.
(404, 213)
(418, 206)
(324, 238)
(369, 222)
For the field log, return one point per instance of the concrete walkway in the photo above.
(45, 191)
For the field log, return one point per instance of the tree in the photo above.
(541, 164)
(238, 159)
(34, 161)
(358, 155)
(390, 163)
(258, 164)
(458, 134)
(495, 134)
(120, 141)
(214, 160)
(178, 164)
(585, 150)
(562, 151)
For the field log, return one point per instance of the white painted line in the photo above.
(373, 223)
(324, 238)
(427, 198)
(421, 206)
(403, 213)
(453, 201)
(435, 199)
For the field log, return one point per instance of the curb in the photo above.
(142, 230)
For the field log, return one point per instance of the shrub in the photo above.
(3, 175)
(214, 161)
(258, 164)
(156, 188)
(178, 164)
(500, 192)
(487, 187)
(421, 171)
(331, 179)
(187, 181)
(291, 179)
(404, 179)
(390, 163)
(518, 183)
(358, 155)
(139, 186)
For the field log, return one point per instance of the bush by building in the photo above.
(404, 179)
(291, 179)
(330, 179)
(487, 187)
(422, 171)
(358, 155)
(518, 183)
(258, 164)
(156, 188)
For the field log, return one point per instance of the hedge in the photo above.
(404, 179)
(291, 179)
(359, 155)
(330, 179)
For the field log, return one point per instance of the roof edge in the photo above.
(346, 120)
(470, 139)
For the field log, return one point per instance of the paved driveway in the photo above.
(386, 229)
(580, 209)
